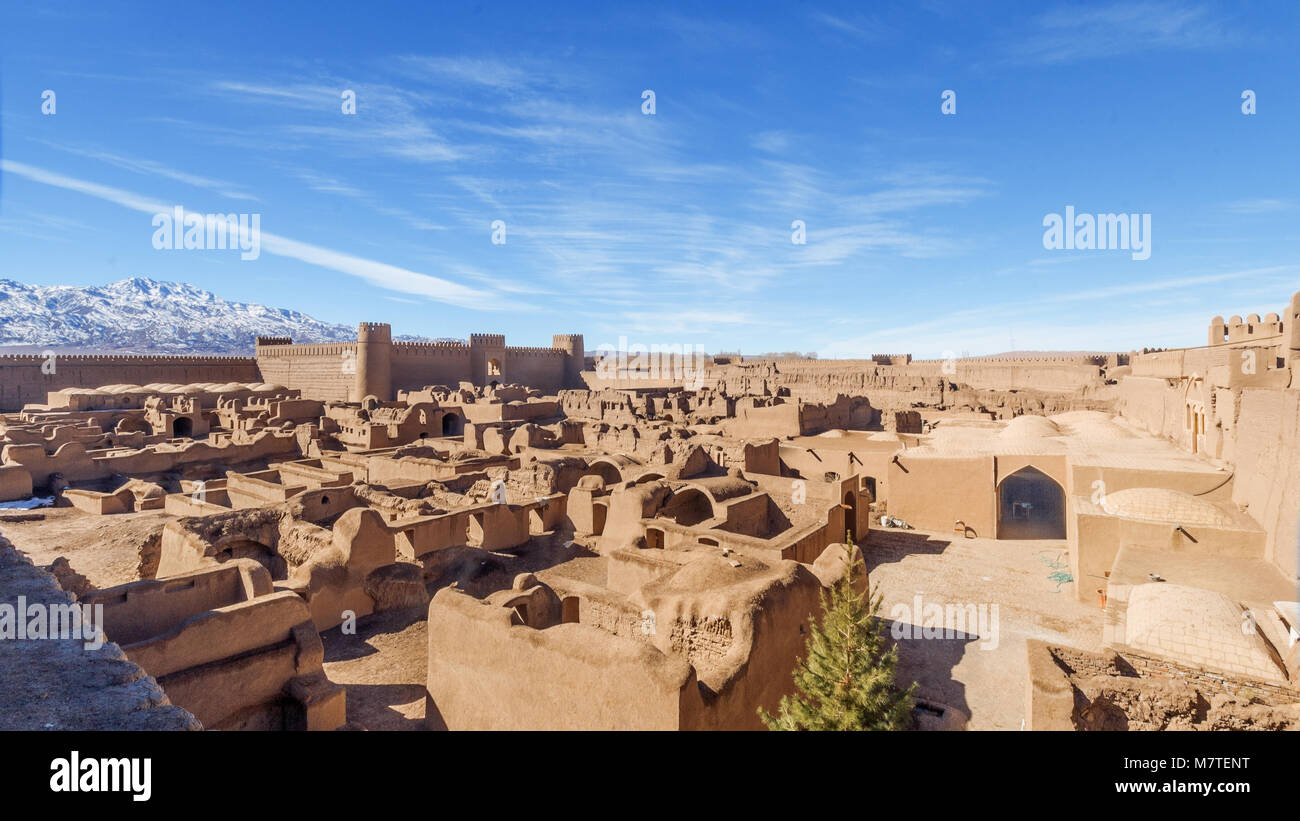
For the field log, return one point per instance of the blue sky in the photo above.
(924, 230)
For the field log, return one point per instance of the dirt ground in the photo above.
(979, 673)
(104, 549)
(383, 666)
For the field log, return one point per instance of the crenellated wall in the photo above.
(323, 371)
(418, 364)
(1045, 373)
(27, 378)
(541, 368)
(1253, 329)
(375, 365)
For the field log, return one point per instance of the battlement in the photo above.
(891, 358)
(1252, 329)
(374, 332)
(314, 349)
(1083, 359)
(377, 365)
(263, 341)
(537, 352)
(430, 349)
(125, 359)
(443, 343)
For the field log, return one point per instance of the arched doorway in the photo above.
(182, 426)
(688, 506)
(1194, 413)
(606, 471)
(1031, 505)
(258, 552)
(451, 424)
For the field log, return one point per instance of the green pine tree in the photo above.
(846, 679)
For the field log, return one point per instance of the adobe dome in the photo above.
(1199, 625)
(1029, 427)
(712, 572)
(1163, 505)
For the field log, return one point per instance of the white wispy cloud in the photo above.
(388, 120)
(604, 205)
(479, 71)
(709, 34)
(45, 227)
(379, 274)
(1128, 322)
(1260, 205)
(1075, 32)
(656, 326)
(118, 196)
(771, 142)
(150, 167)
(328, 185)
(625, 214)
(857, 27)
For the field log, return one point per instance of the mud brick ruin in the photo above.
(534, 543)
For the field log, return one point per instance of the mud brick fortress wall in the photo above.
(416, 364)
(27, 378)
(375, 365)
(323, 371)
(348, 371)
(896, 380)
(1046, 374)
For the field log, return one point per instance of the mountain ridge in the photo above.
(139, 315)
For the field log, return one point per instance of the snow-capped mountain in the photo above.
(142, 315)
